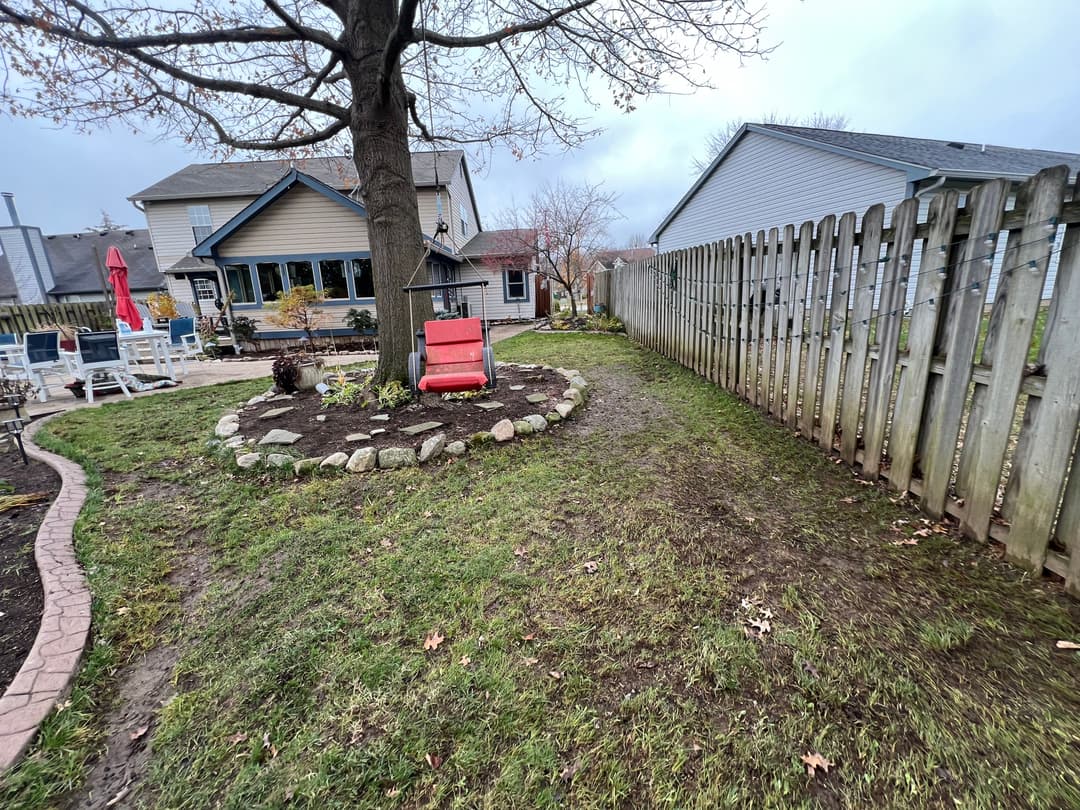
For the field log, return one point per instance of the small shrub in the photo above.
(361, 320)
(604, 323)
(350, 393)
(393, 394)
(244, 328)
(561, 324)
(286, 371)
(162, 305)
(298, 309)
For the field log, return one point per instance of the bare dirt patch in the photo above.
(20, 585)
(459, 418)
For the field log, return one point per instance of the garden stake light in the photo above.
(14, 428)
(14, 401)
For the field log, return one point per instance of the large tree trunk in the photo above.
(381, 153)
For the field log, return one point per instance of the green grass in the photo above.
(926, 673)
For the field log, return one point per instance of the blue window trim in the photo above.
(314, 258)
(293, 334)
(208, 248)
(506, 285)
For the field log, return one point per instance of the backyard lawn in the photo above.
(668, 602)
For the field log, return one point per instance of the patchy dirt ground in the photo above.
(459, 418)
(20, 586)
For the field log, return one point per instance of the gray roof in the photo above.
(256, 176)
(72, 258)
(189, 263)
(608, 257)
(508, 242)
(951, 158)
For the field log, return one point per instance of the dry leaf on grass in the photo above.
(849, 499)
(465, 661)
(907, 541)
(236, 739)
(433, 640)
(530, 661)
(520, 551)
(269, 745)
(555, 674)
(434, 760)
(392, 793)
(529, 637)
(924, 532)
(139, 732)
(386, 543)
(590, 566)
(567, 773)
(810, 669)
(1067, 645)
(815, 762)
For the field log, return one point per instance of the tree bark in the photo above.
(379, 129)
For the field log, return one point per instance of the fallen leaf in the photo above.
(695, 747)
(646, 665)
(848, 499)
(434, 760)
(122, 611)
(815, 762)
(810, 669)
(907, 541)
(465, 661)
(530, 661)
(520, 551)
(139, 732)
(392, 793)
(556, 674)
(269, 745)
(385, 543)
(433, 640)
(924, 533)
(763, 626)
(1067, 645)
(119, 796)
(590, 567)
(238, 738)
(529, 637)
(289, 793)
(429, 513)
(567, 773)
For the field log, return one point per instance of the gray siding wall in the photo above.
(13, 241)
(766, 182)
(459, 195)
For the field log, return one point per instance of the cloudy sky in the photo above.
(993, 71)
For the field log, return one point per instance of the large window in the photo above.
(269, 274)
(238, 277)
(333, 278)
(201, 224)
(514, 286)
(300, 274)
(363, 283)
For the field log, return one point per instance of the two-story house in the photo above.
(255, 229)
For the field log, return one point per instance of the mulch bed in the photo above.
(20, 586)
(460, 418)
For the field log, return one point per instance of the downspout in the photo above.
(932, 187)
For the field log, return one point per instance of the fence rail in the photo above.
(973, 410)
(30, 317)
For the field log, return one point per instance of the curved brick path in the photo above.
(52, 662)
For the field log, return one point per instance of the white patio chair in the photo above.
(99, 355)
(41, 358)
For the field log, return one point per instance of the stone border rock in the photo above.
(247, 456)
(52, 662)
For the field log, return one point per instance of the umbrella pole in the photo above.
(101, 277)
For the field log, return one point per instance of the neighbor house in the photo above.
(255, 229)
(771, 175)
(64, 267)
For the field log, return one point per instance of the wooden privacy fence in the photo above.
(30, 317)
(817, 326)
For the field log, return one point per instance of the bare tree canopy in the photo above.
(359, 77)
(566, 225)
(716, 142)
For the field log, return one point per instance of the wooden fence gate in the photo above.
(877, 343)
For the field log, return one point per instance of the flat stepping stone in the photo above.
(517, 387)
(357, 437)
(381, 417)
(489, 406)
(273, 413)
(423, 427)
(536, 399)
(278, 436)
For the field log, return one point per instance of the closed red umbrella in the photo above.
(118, 277)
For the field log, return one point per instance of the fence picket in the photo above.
(734, 301)
(783, 318)
(769, 295)
(987, 202)
(914, 378)
(819, 294)
(862, 309)
(799, 291)
(835, 337)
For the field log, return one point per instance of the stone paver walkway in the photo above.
(50, 666)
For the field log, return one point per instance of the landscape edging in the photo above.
(50, 666)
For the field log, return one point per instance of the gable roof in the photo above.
(507, 242)
(918, 158)
(208, 247)
(72, 258)
(239, 179)
(607, 257)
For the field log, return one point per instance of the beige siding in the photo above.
(170, 228)
(425, 201)
(497, 309)
(333, 317)
(300, 221)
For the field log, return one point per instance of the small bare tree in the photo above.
(566, 226)
(716, 142)
(107, 224)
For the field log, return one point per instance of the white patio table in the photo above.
(159, 348)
